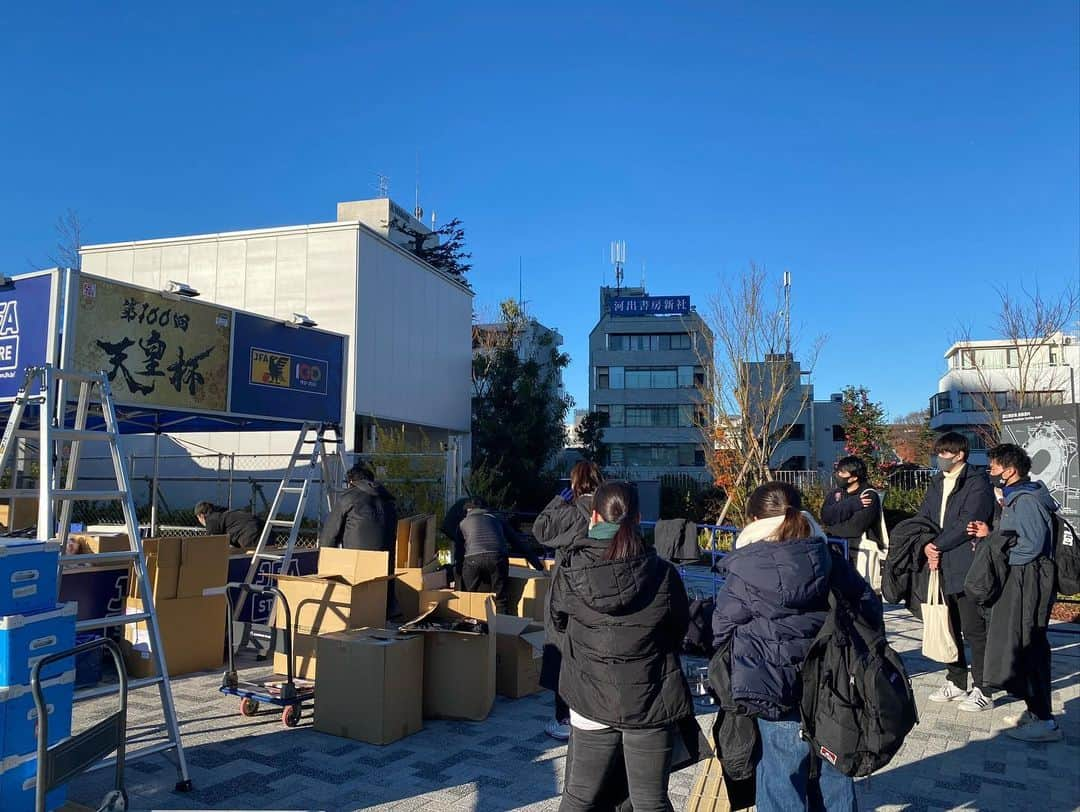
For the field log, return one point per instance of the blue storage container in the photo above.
(18, 778)
(25, 639)
(28, 575)
(18, 715)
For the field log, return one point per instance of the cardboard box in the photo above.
(184, 567)
(348, 591)
(459, 667)
(19, 512)
(304, 653)
(93, 543)
(528, 589)
(549, 563)
(389, 705)
(192, 635)
(519, 648)
(410, 583)
(401, 540)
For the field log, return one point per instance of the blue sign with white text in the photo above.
(650, 305)
(286, 372)
(24, 329)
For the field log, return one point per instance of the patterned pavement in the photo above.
(952, 760)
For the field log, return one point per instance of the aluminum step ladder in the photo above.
(319, 453)
(51, 398)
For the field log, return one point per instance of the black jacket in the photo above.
(621, 625)
(561, 522)
(1020, 615)
(676, 540)
(736, 739)
(241, 527)
(773, 603)
(846, 518)
(364, 517)
(971, 500)
(903, 580)
(989, 569)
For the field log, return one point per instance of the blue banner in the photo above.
(286, 372)
(650, 305)
(25, 308)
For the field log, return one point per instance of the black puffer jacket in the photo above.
(621, 625)
(774, 602)
(561, 522)
(240, 526)
(364, 518)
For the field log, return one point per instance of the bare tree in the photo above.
(1026, 368)
(68, 241)
(753, 393)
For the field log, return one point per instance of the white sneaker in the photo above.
(976, 701)
(1017, 719)
(558, 730)
(1036, 731)
(948, 693)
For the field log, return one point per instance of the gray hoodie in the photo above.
(1027, 511)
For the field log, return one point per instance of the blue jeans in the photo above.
(783, 775)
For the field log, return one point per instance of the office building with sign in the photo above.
(408, 324)
(645, 369)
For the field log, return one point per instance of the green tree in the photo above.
(517, 415)
(865, 430)
(590, 436)
(444, 247)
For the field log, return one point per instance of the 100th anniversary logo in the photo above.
(287, 371)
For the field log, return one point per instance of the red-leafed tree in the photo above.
(865, 430)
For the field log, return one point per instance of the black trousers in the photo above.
(968, 624)
(488, 572)
(600, 763)
(1038, 675)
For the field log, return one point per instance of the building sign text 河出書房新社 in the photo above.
(156, 350)
(650, 306)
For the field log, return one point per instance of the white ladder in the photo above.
(51, 433)
(310, 458)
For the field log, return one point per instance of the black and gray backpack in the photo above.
(1066, 555)
(857, 704)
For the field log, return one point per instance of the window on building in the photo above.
(603, 411)
(699, 376)
(649, 342)
(618, 414)
(967, 402)
(797, 432)
(602, 378)
(686, 377)
(967, 359)
(1054, 355)
(699, 457)
(1011, 357)
(616, 374)
(838, 434)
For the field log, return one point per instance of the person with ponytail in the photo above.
(773, 603)
(619, 613)
(566, 518)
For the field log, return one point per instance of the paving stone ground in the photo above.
(952, 760)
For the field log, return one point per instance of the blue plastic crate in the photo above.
(18, 779)
(18, 715)
(25, 639)
(28, 575)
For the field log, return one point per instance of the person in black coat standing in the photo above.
(241, 527)
(954, 500)
(364, 516)
(620, 614)
(774, 601)
(853, 508)
(565, 518)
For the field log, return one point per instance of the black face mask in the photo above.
(843, 482)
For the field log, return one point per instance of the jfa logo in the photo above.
(9, 336)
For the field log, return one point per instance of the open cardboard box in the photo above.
(459, 667)
(528, 589)
(519, 649)
(416, 542)
(390, 705)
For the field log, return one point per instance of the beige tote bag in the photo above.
(869, 557)
(937, 642)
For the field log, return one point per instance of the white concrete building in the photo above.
(1046, 372)
(408, 324)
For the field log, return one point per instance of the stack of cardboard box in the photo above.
(191, 623)
(416, 566)
(348, 591)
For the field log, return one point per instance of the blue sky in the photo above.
(899, 159)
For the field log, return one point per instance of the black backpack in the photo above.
(1066, 555)
(857, 704)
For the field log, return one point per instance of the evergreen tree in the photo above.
(590, 436)
(867, 435)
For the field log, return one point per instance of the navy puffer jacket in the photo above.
(774, 602)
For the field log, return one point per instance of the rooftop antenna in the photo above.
(384, 185)
(787, 313)
(618, 259)
(418, 212)
(643, 274)
(432, 219)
